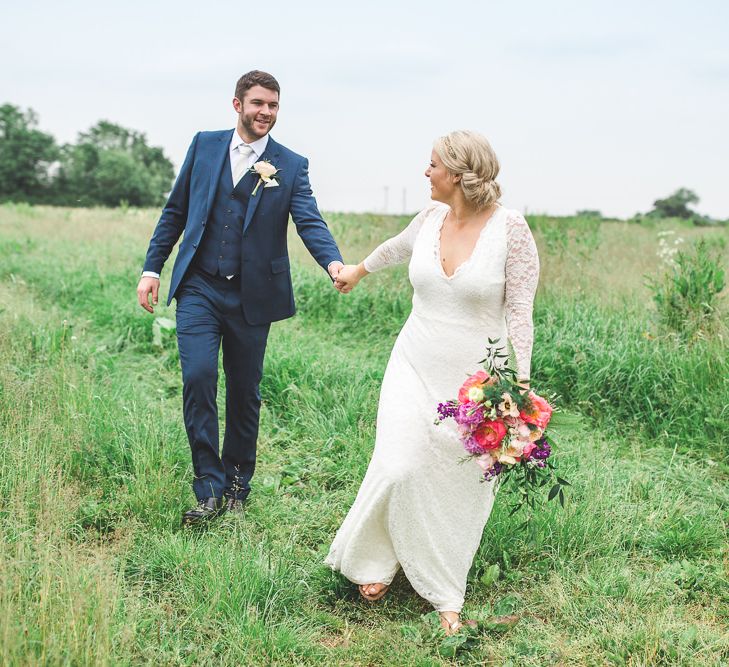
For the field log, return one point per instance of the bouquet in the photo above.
(503, 427)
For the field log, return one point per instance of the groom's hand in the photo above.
(349, 276)
(334, 268)
(147, 286)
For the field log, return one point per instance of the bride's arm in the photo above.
(399, 248)
(522, 277)
(395, 250)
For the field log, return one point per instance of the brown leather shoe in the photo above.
(207, 509)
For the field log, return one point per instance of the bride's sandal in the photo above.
(373, 597)
(452, 627)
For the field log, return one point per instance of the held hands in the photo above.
(348, 277)
(334, 268)
(147, 286)
(345, 278)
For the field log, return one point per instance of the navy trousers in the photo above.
(208, 313)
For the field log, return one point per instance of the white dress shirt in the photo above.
(258, 146)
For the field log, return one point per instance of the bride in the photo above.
(474, 270)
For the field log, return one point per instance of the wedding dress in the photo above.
(419, 507)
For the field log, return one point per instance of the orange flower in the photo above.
(539, 412)
(479, 379)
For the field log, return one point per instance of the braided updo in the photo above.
(470, 155)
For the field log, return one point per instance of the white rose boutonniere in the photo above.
(266, 173)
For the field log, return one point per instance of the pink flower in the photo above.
(514, 451)
(478, 379)
(528, 432)
(528, 449)
(490, 434)
(538, 412)
(485, 462)
(523, 431)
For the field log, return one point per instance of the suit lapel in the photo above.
(221, 150)
(271, 154)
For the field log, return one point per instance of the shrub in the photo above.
(688, 294)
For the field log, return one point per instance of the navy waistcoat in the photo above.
(221, 244)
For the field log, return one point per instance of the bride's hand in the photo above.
(523, 385)
(348, 277)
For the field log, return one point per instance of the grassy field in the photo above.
(95, 468)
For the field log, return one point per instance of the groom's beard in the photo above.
(249, 125)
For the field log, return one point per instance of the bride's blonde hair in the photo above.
(470, 155)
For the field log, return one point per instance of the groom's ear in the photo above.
(237, 105)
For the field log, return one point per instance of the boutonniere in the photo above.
(266, 173)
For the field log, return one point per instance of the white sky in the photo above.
(605, 105)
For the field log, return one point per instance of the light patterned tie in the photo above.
(241, 167)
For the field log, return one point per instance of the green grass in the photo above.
(95, 469)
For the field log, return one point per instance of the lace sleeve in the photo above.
(399, 248)
(522, 276)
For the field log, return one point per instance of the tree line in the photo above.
(109, 165)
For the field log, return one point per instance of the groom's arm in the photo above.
(168, 230)
(171, 223)
(310, 225)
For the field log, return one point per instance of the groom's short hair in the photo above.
(255, 78)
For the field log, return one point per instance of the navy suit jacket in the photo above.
(266, 290)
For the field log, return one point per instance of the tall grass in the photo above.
(95, 469)
(601, 361)
(688, 294)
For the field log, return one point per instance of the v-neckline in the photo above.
(473, 250)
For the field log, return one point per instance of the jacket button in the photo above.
(194, 245)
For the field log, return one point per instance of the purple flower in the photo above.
(469, 415)
(470, 444)
(493, 471)
(543, 451)
(446, 410)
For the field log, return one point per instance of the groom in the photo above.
(231, 279)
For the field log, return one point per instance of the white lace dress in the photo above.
(419, 508)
